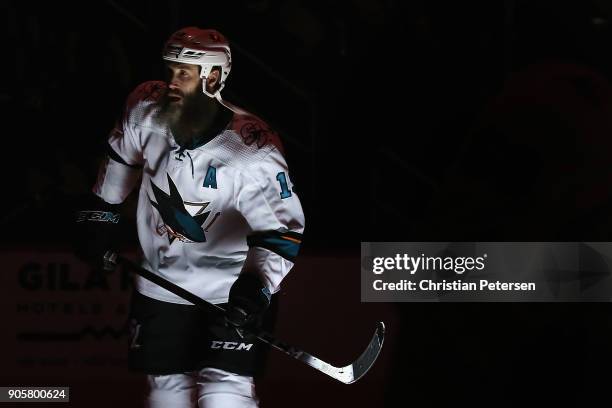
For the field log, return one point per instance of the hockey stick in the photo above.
(347, 374)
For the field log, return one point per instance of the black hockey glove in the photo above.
(248, 300)
(96, 228)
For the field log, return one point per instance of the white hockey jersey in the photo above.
(203, 212)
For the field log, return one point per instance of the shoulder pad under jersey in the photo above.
(255, 132)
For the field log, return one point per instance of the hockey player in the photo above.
(216, 215)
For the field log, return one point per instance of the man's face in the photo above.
(183, 94)
(183, 106)
(183, 81)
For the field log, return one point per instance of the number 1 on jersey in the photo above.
(282, 179)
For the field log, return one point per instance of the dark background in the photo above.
(403, 121)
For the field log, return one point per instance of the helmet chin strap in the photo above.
(206, 92)
(217, 96)
(227, 104)
(204, 80)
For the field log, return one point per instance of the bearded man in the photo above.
(217, 215)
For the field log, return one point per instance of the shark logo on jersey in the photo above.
(179, 224)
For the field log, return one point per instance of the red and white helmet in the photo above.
(206, 48)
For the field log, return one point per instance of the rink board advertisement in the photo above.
(63, 317)
(486, 271)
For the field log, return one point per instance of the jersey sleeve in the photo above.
(274, 213)
(120, 170)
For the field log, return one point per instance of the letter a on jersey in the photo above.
(211, 177)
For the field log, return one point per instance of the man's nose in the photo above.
(174, 80)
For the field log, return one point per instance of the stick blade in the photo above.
(366, 360)
(352, 372)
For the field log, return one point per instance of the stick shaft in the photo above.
(347, 375)
(190, 297)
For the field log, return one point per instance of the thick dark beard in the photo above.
(186, 120)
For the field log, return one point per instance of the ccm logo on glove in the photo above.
(102, 216)
(230, 345)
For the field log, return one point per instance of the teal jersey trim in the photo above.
(286, 244)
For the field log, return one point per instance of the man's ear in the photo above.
(212, 81)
